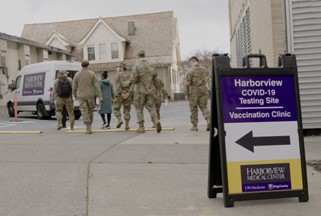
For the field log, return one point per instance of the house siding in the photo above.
(305, 41)
(145, 36)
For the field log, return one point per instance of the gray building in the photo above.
(106, 42)
(16, 52)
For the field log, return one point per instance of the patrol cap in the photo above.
(194, 57)
(141, 53)
(123, 65)
(63, 73)
(85, 63)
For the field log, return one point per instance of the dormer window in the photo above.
(103, 44)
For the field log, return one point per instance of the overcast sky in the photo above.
(202, 24)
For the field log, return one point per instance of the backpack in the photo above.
(64, 87)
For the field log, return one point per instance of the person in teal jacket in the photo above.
(107, 90)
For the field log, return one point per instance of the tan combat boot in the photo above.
(88, 128)
(120, 122)
(141, 128)
(208, 124)
(72, 127)
(194, 128)
(59, 127)
(157, 124)
(127, 125)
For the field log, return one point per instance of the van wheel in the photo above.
(41, 111)
(10, 110)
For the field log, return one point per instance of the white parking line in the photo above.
(12, 123)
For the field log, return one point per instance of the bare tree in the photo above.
(205, 59)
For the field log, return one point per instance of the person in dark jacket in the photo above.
(107, 90)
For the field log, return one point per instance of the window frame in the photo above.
(91, 53)
(112, 50)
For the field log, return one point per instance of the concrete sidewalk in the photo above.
(168, 176)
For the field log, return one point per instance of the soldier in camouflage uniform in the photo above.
(161, 94)
(123, 97)
(82, 89)
(196, 92)
(61, 102)
(143, 77)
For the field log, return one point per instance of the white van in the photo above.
(34, 88)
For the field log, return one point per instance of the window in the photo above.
(18, 80)
(3, 46)
(1, 84)
(131, 27)
(243, 38)
(91, 52)
(114, 50)
(45, 55)
(103, 51)
(71, 73)
(3, 61)
(27, 50)
(27, 60)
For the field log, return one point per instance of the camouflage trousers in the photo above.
(141, 101)
(69, 104)
(86, 106)
(196, 101)
(158, 104)
(126, 103)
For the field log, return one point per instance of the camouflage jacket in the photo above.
(123, 83)
(143, 76)
(196, 81)
(160, 89)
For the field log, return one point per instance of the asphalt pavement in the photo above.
(56, 173)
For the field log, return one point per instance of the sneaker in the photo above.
(104, 126)
(107, 127)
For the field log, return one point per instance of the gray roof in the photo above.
(154, 32)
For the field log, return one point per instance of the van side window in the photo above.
(71, 73)
(18, 81)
